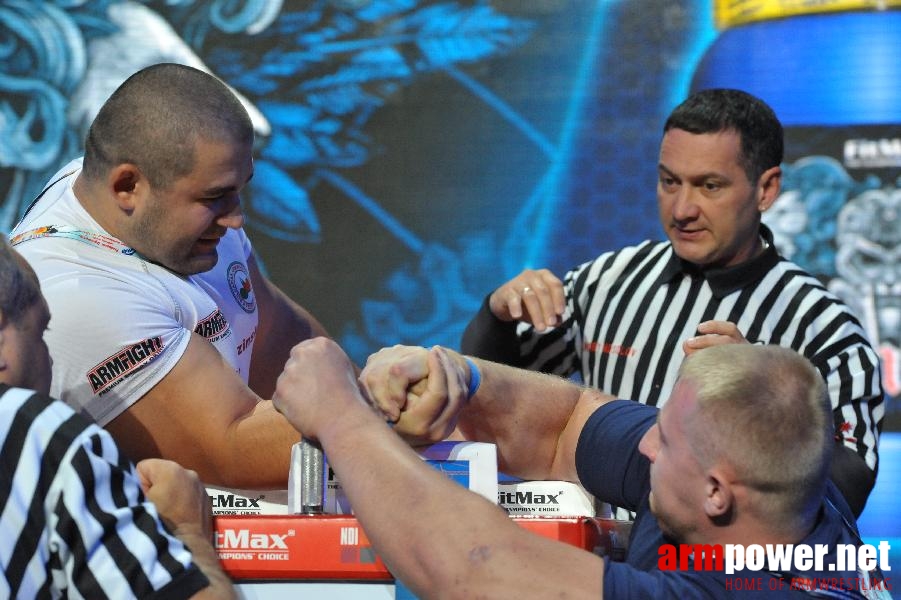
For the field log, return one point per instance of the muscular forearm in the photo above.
(526, 415)
(260, 452)
(250, 450)
(404, 506)
(488, 337)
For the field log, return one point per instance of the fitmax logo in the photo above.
(527, 498)
(873, 153)
(243, 539)
(229, 501)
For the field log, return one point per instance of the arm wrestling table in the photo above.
(299, 556)
(307, 553)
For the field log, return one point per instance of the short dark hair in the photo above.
(715, 110)
(19, 287)
(155, 118)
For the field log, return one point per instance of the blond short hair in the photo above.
(764, 410)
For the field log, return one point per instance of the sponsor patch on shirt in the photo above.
(239, 283)
(246, 342)
(109, 372)
(214, 327)
(609, 348)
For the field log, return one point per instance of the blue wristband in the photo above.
(475, 378)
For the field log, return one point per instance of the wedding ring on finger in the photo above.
(525, 290)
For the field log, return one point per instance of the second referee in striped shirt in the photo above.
(625, 320)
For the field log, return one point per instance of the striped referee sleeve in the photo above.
(74, 521)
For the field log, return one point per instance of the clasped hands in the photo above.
(418, 391)
(421, 391)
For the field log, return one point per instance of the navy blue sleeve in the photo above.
(607, 458)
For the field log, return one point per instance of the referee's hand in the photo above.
(535, 297)
(713, 333)
(178, 494)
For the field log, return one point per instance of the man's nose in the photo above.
(233, 218)
(685, 206)
(649, 444)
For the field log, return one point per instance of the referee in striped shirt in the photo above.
(625, 320)
(74, 521)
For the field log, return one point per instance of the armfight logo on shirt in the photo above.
(109, 372)
(214, 327)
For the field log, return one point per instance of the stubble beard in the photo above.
(176, 256)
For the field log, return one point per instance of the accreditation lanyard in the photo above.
(100, 240)
(67, 231)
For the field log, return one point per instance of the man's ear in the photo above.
(3, 323)
(719, 499)
(127, 185)
(770, 186)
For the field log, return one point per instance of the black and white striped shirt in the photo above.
(73, 519)
(629, 311)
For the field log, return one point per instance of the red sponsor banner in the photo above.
(326, 547)
(296, 547)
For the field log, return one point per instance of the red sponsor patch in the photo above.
(608, 348)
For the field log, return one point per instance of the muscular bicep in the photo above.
(564, 464)
(203, 416)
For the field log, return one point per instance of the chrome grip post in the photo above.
(312, 479)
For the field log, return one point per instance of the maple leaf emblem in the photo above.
(844, 430)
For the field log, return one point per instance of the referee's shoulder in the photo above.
(626, 254)
(792, 274)
(20, 405)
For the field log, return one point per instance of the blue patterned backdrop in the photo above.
(414, 154)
